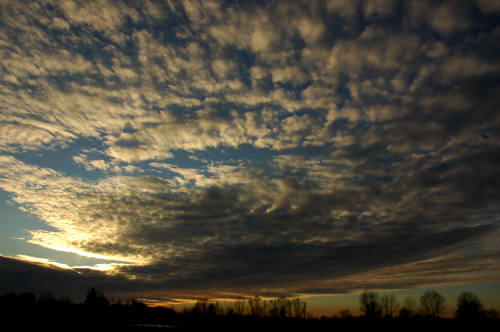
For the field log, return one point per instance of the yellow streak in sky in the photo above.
(43, 261)
(58, 242)
(48, 262)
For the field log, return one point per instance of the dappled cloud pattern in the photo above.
(257, 148)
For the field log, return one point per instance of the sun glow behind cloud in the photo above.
(107, 268)
(256, 148)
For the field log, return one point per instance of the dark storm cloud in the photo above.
(255, 266)
(262, 270)
(380, 119)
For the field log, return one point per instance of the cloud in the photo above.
(255, 147)
(246, 279)
(230, 228)
(346, 9)
(379, 7)
(448, 19)
(488, 6)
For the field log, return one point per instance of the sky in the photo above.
(172, 151)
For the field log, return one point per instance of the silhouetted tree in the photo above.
(285, 308)
(229, 309)
(370, 304)
(256, 306)
(200, 308)
(469, 306)
(433, 303)
(388, 304)
(138, 311)
(96, 300)
(239, 307)
(280, 308)
(299, 308)
(47, 299)
(409, 307)
(214, 309)
(274, 308)
(26, 300)
(65, 300)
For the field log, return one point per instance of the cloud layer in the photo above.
(244, 148)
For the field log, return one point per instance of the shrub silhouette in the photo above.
(491, 314)
(345, 314)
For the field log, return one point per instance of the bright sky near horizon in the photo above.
(174, 150)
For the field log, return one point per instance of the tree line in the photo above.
(279, 308)
(26, 311)
(280, 312)
(431, 305)
(98, 310)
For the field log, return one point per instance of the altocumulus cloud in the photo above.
(255, 148)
